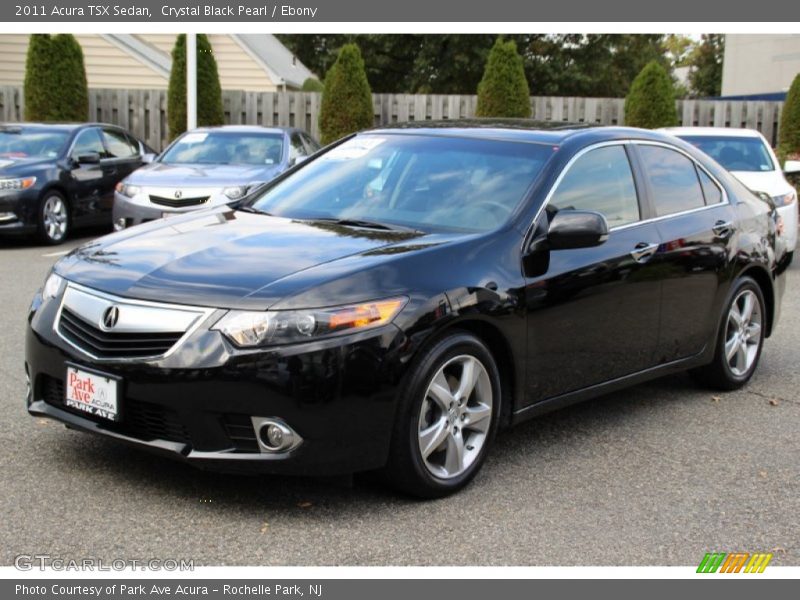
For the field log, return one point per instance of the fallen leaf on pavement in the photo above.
(715, 398)
(304, 504)
(773, 402)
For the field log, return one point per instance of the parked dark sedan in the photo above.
(54, 177)
(403, 294)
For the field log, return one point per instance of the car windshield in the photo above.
(21, 142)
(226, 148)
(411, 180)
(734, 153)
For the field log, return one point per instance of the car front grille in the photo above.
(141, 420)
(108, 344)
(178, 202)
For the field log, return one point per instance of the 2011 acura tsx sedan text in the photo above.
(396, 299)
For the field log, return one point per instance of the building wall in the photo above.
(759, 63)
(237, 69)
(107, 66)
(13, 49)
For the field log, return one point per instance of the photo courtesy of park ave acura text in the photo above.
(399, 299)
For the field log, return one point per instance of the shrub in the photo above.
(312, 84)
(503, 91)
(789, 132)
(209, 92)
(346, 97)
(55, 79)
(651, 100)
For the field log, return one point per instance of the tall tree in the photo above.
(705, 77)
(503, 91)
(346, 99)
(55, 86)
(651, 101)
(209, 92)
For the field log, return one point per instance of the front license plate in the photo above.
(92, 393)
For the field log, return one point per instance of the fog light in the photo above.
(120, 224)
(274, 435)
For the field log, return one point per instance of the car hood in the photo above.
(18, 166)
(169, 175)
(770, 182)
(224, 258)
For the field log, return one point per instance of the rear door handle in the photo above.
(722, 228)
(643, 252)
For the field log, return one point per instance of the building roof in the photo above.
(282, 67)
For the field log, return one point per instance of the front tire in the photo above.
(447, 418)
(740, 339)
(53, 219)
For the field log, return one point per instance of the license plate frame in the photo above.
(92, 392)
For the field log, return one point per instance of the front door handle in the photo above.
(722, 229)
(643, 252)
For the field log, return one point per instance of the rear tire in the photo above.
(447, 418)
(53, 221)
(740, 339)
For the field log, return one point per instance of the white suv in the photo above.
(748, 156)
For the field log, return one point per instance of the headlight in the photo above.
(17, 184)
(784, 199)
(236, 191)
(52, 286)
(128, 190)
(250, 329)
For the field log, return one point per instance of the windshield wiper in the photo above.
(255, 211)
(363, 223)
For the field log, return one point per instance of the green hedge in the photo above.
(651, 101)
(55, 79)
(312, 84)
(346, 98)
(209, 92)
(789, 132)
(503, 91)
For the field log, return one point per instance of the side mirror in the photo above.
(576, 229)
(149, 157)
(90, 158)
(791, 167)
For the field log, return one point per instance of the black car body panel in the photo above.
(564, 325)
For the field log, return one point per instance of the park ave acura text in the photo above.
(401, 295)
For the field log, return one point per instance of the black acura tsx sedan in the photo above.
(393, 301)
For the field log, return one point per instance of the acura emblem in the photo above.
(178, 194)
(110, 317)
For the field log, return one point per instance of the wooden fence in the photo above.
(144, 111)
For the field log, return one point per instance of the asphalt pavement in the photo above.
(658, 474)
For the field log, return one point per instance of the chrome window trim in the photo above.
(626, 142)
(203, 313)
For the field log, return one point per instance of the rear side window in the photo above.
(88, 142)
(600, 180)
(673, 180)
(296, 148)
(710, 189)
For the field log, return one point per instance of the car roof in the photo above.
(57, 126)
(246, 129)
(523, 130)
(712, 131)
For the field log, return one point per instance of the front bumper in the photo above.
(18, 212)
(339, 396)
(790, 223)
(139, 209)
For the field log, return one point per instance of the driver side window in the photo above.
(88, 142)
(601, 180)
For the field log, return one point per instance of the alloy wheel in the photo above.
(54, 215)
(743, 333)
(455, 417)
